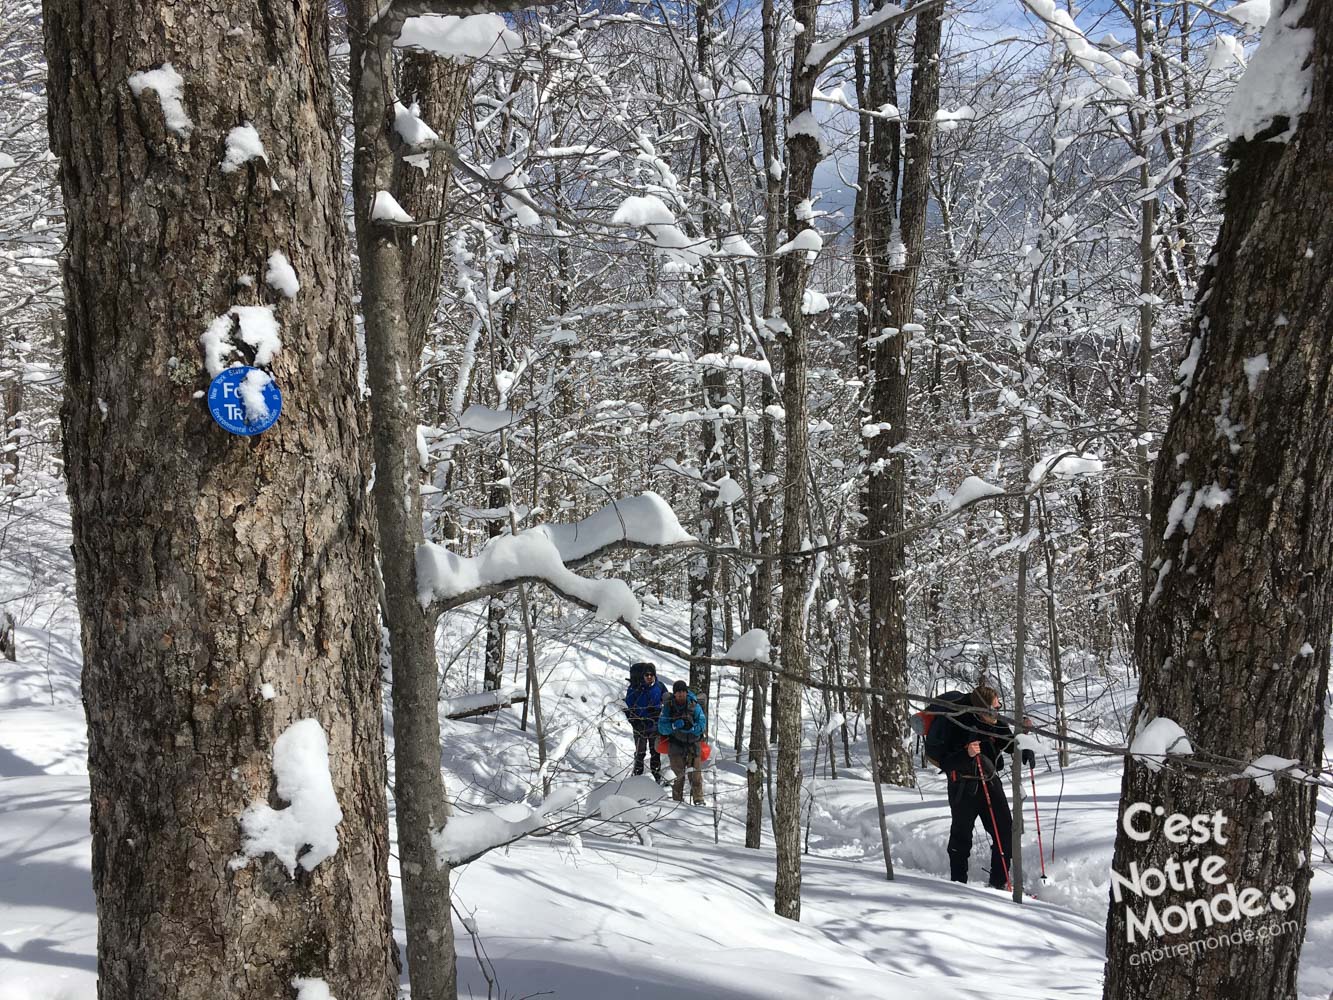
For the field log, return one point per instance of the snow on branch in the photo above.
(413, 8)
(822, 53)
(645, 520)
(752, 646)
(1265, 770)
(1065, 465)
(453, 37)
(540, 554)
(465, 838)
(1101, 65)
(1158, 740)
(971, 489)
(464, 705)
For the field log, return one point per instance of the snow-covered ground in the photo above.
(679, 909)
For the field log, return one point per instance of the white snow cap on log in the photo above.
(301, 766)
(386, 209)
(409, 126)
(808, 240)
(541, 552)
(480, 700)
(1066, 465)
(170, 89)
(752, 646)
(474, 36)
(1158, 738)
(972, 488)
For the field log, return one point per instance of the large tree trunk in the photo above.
(210, 565)
(893, 297)
(1233, 641)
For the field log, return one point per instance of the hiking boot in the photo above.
(700, 802)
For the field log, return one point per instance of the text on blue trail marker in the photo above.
(244, 400)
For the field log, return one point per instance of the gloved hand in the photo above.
(678, 724)
(1029, 758)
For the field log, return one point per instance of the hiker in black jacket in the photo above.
(969, 752)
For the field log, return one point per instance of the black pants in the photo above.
(967, 803)
(645, 740)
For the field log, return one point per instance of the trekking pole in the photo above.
(995, 827)
(1041, 851)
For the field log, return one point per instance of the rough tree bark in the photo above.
(761, 587)
(209, 565)
(437, 87)
(703, 570)
(893, 282)
(418, 788)
(11, 406)
(1233, 641)
(803, 156)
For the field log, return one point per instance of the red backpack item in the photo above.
(664, 746)
(948, 703)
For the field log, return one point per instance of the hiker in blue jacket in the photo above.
(683, 723)
(643, 705)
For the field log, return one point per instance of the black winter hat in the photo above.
(680, 686)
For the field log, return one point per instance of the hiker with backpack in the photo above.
(966, 739)
(683, 725)
(643, 706)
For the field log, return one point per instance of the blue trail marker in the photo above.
(244, 400)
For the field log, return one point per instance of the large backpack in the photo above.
(705, 751)
(932, 735)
